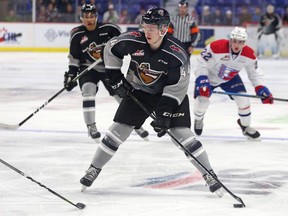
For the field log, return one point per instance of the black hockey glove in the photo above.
(68, 77)
(120, 85)
(162, 119)
(161, 123)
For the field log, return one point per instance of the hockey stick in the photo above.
(15, 127)
(78, 205)
(247, 95)
(191, 155)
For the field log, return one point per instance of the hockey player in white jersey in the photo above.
(218, 66)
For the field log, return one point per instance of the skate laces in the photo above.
(92, 131)
(198, 124)
(209, 179)
(92, 173)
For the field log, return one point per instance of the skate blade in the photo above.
(219, 192)
(97, 140)
(146, 138)
(83, 189)
(254, 139)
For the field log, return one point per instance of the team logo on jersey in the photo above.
(227, 73)
(83, 39)
(225, 58)
(138, 53)
(146, 75)
(175, 48)
(135, 34)
(94, 50)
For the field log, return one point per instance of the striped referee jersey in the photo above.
(184, 29)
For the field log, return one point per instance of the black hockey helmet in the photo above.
(88, 8)
(156, 16)
(183, 3)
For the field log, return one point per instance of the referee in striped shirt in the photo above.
(184, 27)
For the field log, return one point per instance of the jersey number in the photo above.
(206, 55)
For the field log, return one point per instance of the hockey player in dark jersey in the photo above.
(270, 33)
(158, 75)
(86, 45)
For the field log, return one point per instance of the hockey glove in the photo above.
(267, 97)
(68, 77)
(163, 116)
(161, 123)
(120, 86)
(202, 87)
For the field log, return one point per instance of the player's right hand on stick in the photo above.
(264, 92)
(202, 87)
(163, 115)
(68, 84)
(161, 123)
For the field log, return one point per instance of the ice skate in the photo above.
(276, 55)
(142, 133)
(89, 177)
(198, 127)
(214, 186)
(93, 132)
(249, 132)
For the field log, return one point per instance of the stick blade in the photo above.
(80, 205)
(8, 127)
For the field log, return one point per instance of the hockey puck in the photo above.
(80, 205)
(238, 205)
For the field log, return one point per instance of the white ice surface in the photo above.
(143, 178)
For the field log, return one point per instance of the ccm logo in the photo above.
(174, 115)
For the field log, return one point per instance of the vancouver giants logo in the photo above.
(94, 50)
(175, 48)
(135, 34)
(146, 75)
(227, 73)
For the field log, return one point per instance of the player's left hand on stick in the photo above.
(121, 86)
(68, 84)
(264, 92)
(202, 87)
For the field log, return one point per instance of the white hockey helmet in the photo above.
(270, 9)
(239, 33)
